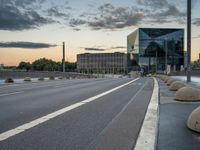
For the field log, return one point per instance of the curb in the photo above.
(148, 133)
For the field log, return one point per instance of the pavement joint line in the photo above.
(148, 131)
(10, 133)
(13, 93)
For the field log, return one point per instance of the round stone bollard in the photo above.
(187, 94)
(193, 121)
(51, 78)
(9, 80)
(169, 82)
(166, 79)
(176, 85)
(41, 78)
(60, 78)
(27, 79)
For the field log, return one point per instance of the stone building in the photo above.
(102, 63)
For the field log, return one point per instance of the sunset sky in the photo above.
(32, 29)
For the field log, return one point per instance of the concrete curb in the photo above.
(148, 132)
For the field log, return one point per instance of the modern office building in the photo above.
(156, 49)
(102, 62)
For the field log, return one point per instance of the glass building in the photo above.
(156, 49)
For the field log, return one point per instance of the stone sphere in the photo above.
(28, 79)
(52, 78)
(169, 82)
(193, 121)
(9, 80)
(166, 79)
(188, 94)
(176, 85)
(41, 79)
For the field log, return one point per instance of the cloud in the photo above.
(153, 3)
(12, 18)
(118, 47)
(94, 49)
(161, 11)
(196, 21)
(109, 17)
(22, 44)
(76, 22)
(54, 12)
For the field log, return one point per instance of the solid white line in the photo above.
(7, 94)
(148, 131)
(22, 128)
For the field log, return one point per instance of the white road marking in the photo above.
(148, 131)
(24, 127)
(7, 94)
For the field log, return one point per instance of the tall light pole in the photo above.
(166, 63)
(188, 40)
(63, 60)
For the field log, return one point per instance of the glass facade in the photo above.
(156, 48)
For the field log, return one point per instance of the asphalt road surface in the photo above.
(104, 114)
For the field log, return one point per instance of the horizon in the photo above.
(35, 29)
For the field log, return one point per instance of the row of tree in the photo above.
(196, 64)
(44, 64)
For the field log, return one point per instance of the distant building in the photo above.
(1, 66)
(156, 49)
(102, 62)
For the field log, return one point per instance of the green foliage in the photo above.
(44, 64)
(24, 65)
(71, 67)
(196, 64)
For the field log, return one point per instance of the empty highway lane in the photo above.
(73, 114)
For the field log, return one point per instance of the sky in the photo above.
(33, 29)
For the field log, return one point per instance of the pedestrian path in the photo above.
(173, 133)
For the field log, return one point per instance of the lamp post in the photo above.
(63, 61)
(188, 40)
(165, 55)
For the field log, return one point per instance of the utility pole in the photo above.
(63, 60)
(166, 56)
(188, 40)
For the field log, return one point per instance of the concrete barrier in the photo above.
(27, 79)
(9, 80)
(170, 81)
(51, 78)
(60, 78)
(176, 85)
(41, 79)
(166, 79)
(193, 121)
(187, 94)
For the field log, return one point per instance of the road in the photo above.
(73, 114)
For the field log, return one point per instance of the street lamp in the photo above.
(188, 40)
(63, 60)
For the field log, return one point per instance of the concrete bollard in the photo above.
(176, 85)
(187, 94)
(60, 78)
(51, 78)
(166, 79)
(27, 79)
(41, 78)
(193, 121)
(9, 80)
(169, 82)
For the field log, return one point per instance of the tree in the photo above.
(196, 64)
(71, 67)
(44, 64)
(24, 65)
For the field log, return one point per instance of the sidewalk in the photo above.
(173, 133)
(195, 81)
